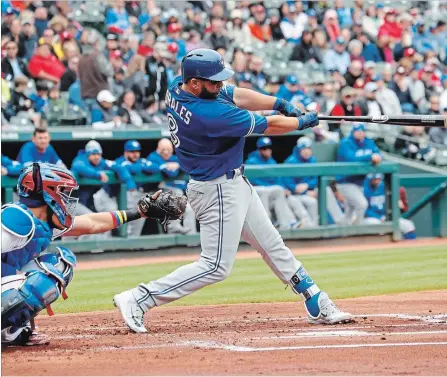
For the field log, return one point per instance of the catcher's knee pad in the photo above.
(45, 278)
(304, 285)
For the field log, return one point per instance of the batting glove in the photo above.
(286, 108)
(308, 120)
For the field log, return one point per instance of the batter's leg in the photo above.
(283, 213)
(220, 208)
(260, 233)
(299, 210)
(355, 200)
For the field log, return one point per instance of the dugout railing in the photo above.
(325, 172)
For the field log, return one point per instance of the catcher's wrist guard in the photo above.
(122, 217)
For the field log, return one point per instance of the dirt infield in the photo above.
(394, 334)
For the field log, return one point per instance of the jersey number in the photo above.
(173, 129)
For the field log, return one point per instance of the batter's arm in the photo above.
(254, 101)
(278, 125)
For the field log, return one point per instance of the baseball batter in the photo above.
(209, 122)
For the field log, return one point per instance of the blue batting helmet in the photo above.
(131, 146)
(204, 63)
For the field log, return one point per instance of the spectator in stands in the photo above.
(374, 191)
(305, 51)
(117, 16)
(43, 65)
(195, 40)
(390, 26)
(94, 71)
(271, 190)
(117, 84)
(174, 37)
(354, 74)
(370, 50)
(14, 30)
(344, 14)
(355, 48)
(40, 98)
(275, 25)
(19, 101)
(387, 98)
(71, 74)
(132, 161)
(156, 70)
(439, 135)
(401, 86)
(41, 20)
(8, 16)
(245, 80)
(356, 148)
(293, 25)
(28, 40)
(90, 164)
(127, 52)
(337, 58)
(258, 24)
(10, 167)
(422, 40)
(104, 113)
(217, 38)
(304, 197)
(345, 107)
(255, 67)
(374, 107)
(412, 143)
(383, 46)
(434, 106)
(331, 25)
(319, 42)
(39, 149)
(13, 66)
(166, 162)
(135, 77)
(127, 111)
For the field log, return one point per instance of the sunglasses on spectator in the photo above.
(11, 48)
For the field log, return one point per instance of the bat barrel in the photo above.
(402, 120)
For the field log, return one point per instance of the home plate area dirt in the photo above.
(394, 334)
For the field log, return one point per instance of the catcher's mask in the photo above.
(48, 184)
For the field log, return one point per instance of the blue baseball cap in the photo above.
(304, 142)
(292, 79)
(264, 142)
(340, 41)
(131, 146)
(358, 127)
(311, 12)
(375, 176)
(93, 147)
(244, 77)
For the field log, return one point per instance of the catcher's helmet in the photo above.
(54, 185)
(205, 64)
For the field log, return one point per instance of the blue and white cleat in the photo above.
(329, 313)
(132, 313)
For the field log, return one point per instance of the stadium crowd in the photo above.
(108, 63)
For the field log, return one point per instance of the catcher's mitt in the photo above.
(163, 207)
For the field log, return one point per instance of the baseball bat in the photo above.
(400, 120)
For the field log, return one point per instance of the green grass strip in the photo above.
(342, 275)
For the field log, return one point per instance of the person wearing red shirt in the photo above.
(345, 107)
(391, 27)
(44, 65)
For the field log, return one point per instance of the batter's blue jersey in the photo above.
(209, 135)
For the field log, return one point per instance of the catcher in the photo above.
(33, 278)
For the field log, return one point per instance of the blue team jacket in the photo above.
(12, 166)
(291, 182)
(375, 198)
(351, 150)
(159, 164)
(142, 165)
(29, 153)
(83, 168)
(299, 95)
(255, 158)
